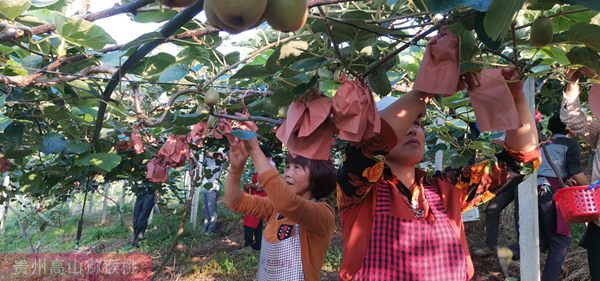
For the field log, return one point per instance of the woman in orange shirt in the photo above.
(299, 224)
(399, 224)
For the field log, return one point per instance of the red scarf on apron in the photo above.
(417, 250)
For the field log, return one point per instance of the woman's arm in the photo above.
(525, 138)
(401, 114)
(316, 217)
(576, 120)
(237, 162)
(235, 199)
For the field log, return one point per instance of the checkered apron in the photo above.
(281, 260)
(418, 250)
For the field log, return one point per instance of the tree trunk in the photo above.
(22, 228)
(105, 203)
(167, 257)
(122, 199)
(91, 204)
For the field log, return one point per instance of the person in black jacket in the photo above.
(144, 203)
(555, 234)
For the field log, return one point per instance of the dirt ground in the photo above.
(486, 269)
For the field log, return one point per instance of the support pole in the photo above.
(528, 212)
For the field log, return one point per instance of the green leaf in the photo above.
(103, 161)
(309, 64)
(585, 56)
(13, 134)
(43, 3)
(82, 32)
(53, 143)
(4, 122)
(557, 54)
(88, 118)
(173, 73)
(442, 6)
(377, 3)
(32, 61)
(13, 8)
(13, 68)
(499, 17)
(303, 87)
(251, 71)
(77, 148)
(457, 123)
(282, 97)
(16, 153)
(379, 82)
(592, 4)
(562, 22)
(31, 182)
(143, 39)
(232, 58)
(154, 64)
(584, 33)
(187, 119)
(112, 59)
(468, 44)
(154, 16)
(56, 113)
(482, 34)
(38, 16)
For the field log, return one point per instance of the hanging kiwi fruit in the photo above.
(541, 32)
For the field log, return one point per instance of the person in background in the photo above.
(585, 126)
(555, 233)
(144, 203)
(493, 210)
(213, 166)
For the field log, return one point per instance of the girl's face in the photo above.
(297, 178)
(411, 147)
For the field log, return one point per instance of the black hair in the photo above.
(266, 150)
(556, 126)
(322, 175)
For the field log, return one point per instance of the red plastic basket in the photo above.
(578, 204)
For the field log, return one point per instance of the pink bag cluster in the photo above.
(175, 152)
(352, 113)
(492, 100)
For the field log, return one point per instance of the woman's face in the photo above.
(411, 147)
(297, 177)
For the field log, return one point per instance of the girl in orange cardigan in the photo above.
(299, 225)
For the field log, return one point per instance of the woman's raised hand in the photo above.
(514, 81)
(572, 76)
(251, 145)
(237, 156)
